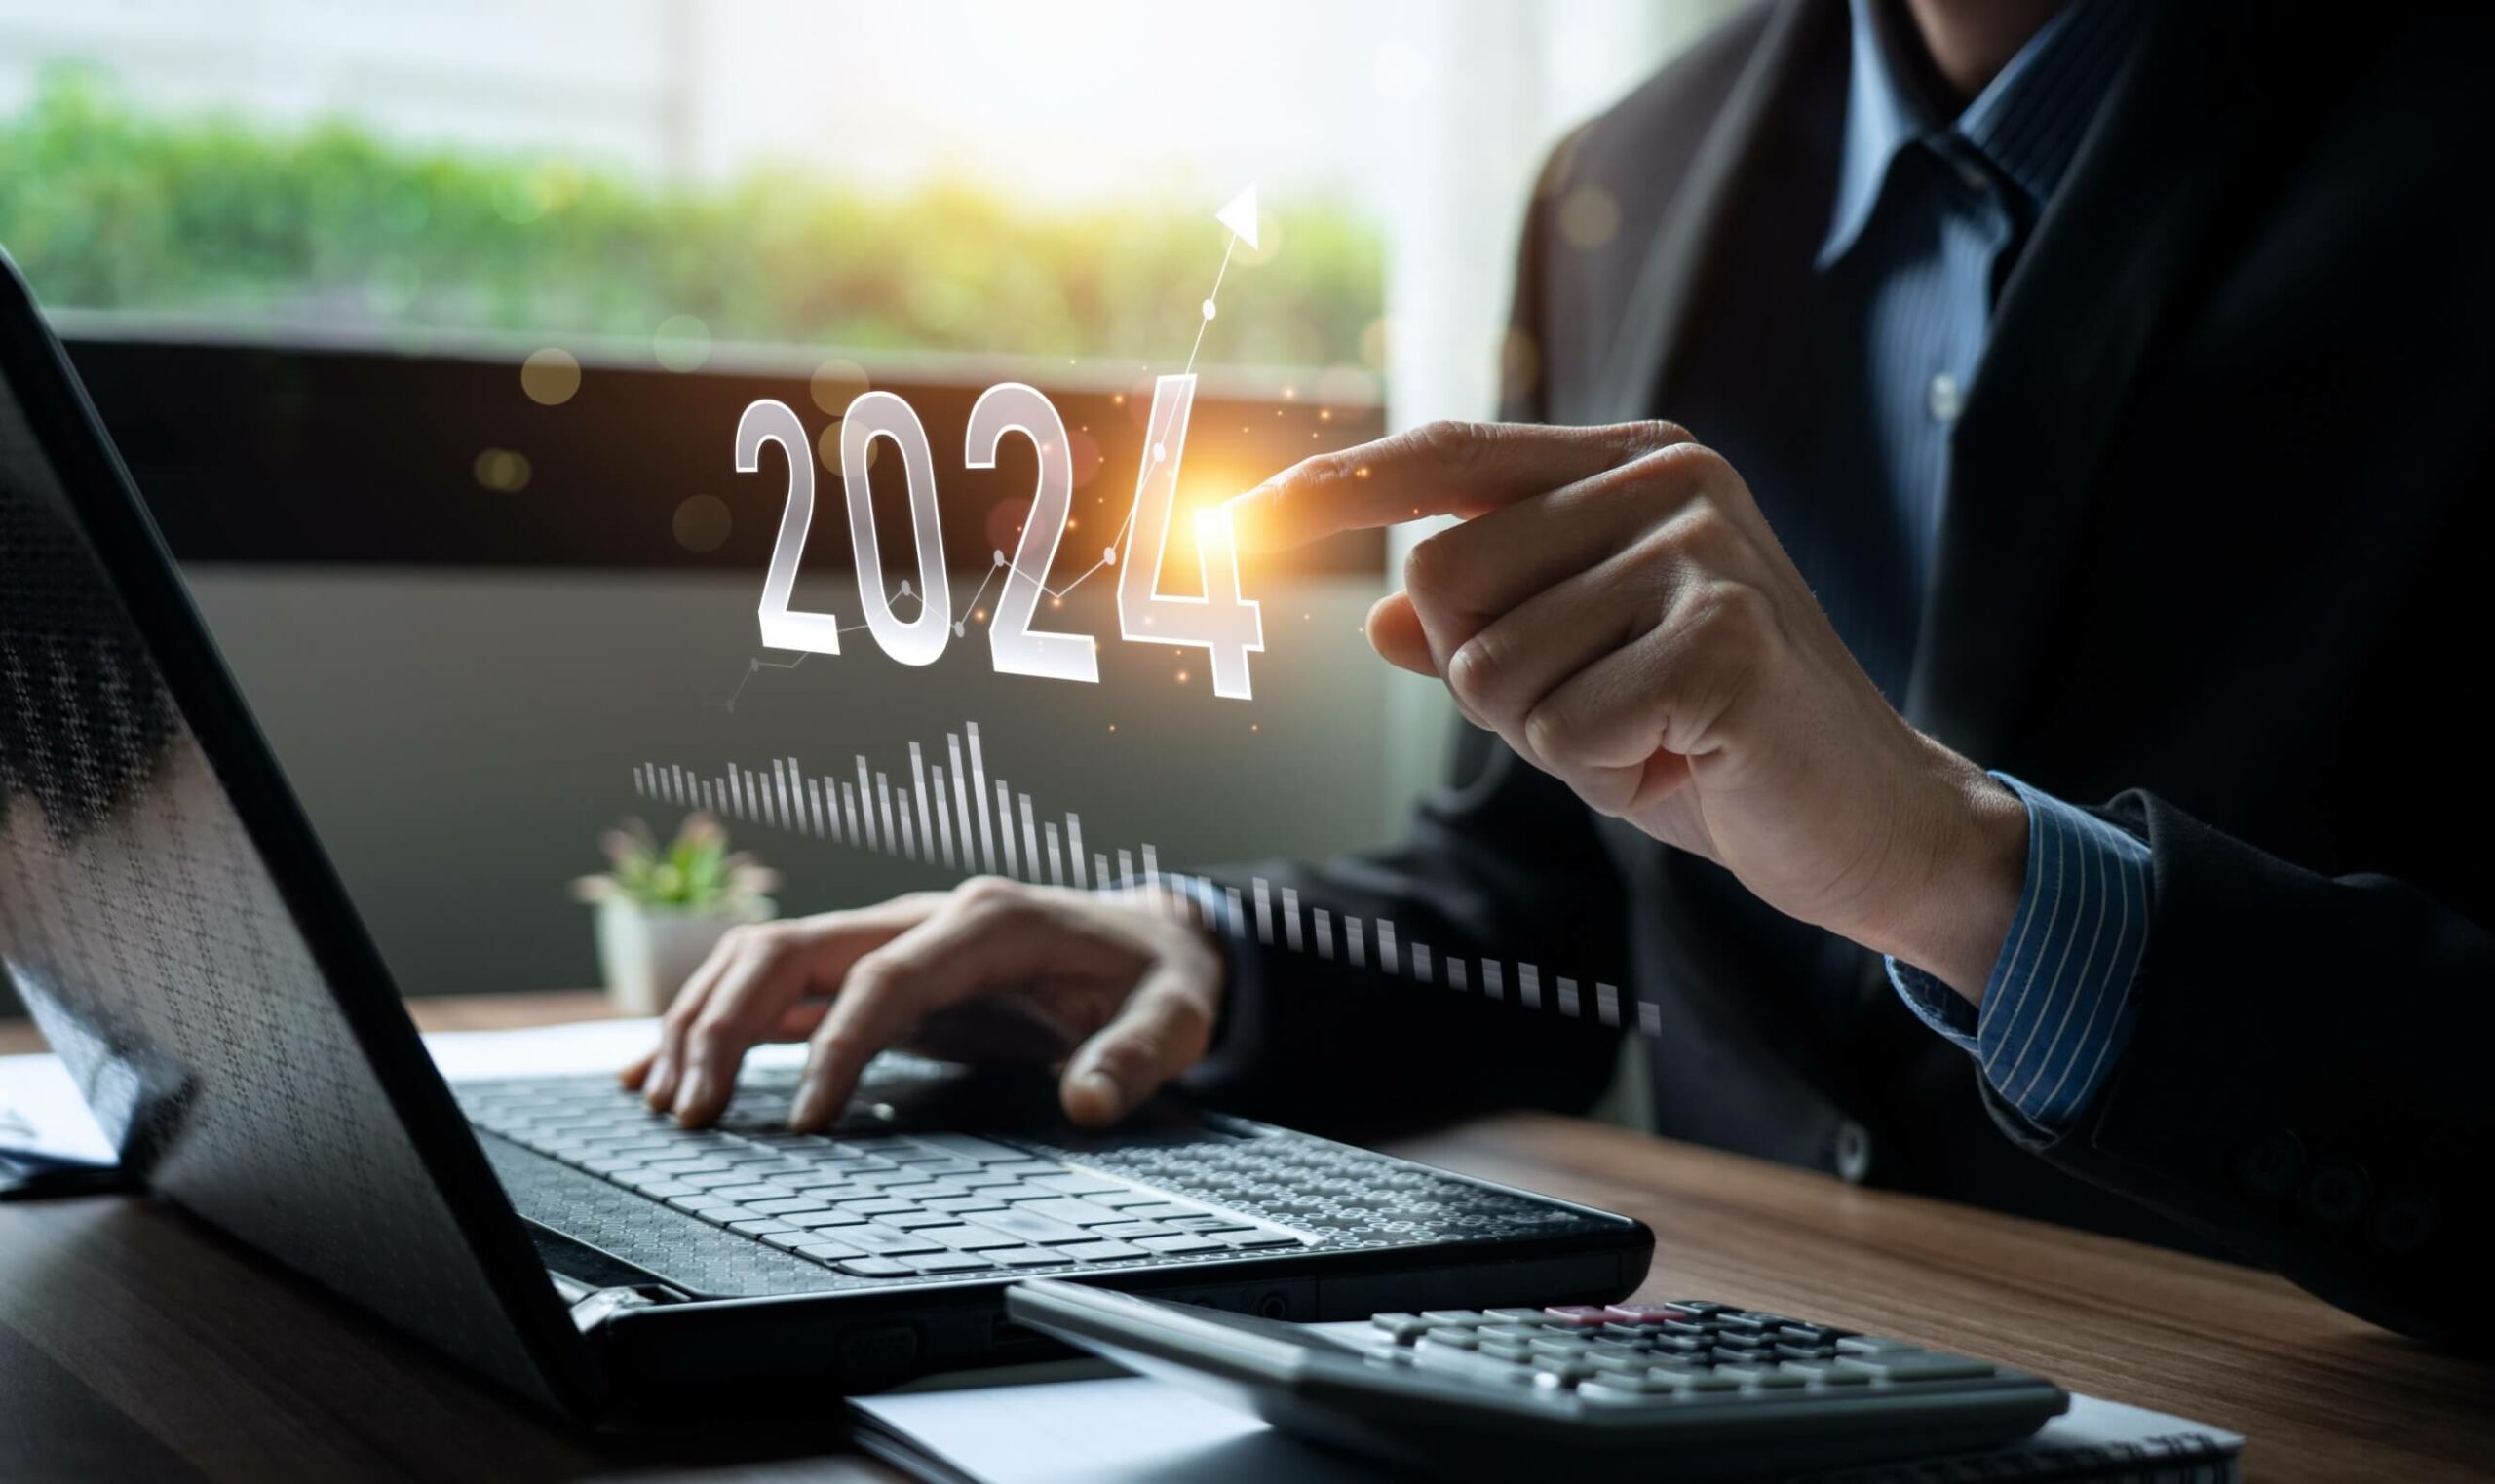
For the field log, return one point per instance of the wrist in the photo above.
(1956, 916)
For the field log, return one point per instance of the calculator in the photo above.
(1685, 1389)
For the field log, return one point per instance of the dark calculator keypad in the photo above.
(1639, 1353)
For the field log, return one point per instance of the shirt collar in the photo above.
(2027, 123)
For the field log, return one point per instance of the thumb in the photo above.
(1395, 632)
(1163, 1029)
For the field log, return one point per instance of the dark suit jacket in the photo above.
(2223, 496)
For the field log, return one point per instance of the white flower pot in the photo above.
(646, 953)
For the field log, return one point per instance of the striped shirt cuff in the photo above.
(2058, 1008)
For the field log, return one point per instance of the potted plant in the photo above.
(660, 912)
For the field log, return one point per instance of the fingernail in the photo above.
(1101, 1089)
(696, 1092)
(660, 1083)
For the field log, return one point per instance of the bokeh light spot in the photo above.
(681, 343)
(1589, 217)
(549, 376)
(505, 471)
(703, 522)
(837, 383)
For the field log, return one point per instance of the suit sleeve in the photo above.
(2304, 1079)
(1501, 867)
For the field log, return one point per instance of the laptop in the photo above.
(171, 919)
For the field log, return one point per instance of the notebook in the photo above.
(1117, 1429)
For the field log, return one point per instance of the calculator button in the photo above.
(1775, 1375)
(1833, 1373)
(1566, 1373)
(1871, 1345)
(1447, 1317)
(1628, 1389)
(1579, 1315)
(1618, 1365)
(1514, 1315)
(1709, 1381)
(1561, 1345)
(1449, 1360)
(1451, 1336)
(1523, 1332)
(1510, 1349)
(1404, 1328)
(1921, 1365)
(1646, 1313)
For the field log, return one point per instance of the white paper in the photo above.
(1130, 1429)
(41, 1112)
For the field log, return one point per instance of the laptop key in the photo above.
(792, 1204)
(1079, 1184)
(656, 1189)
(1184, 1241)
(963, 1146)
(878, 1205)
(913, 1219)
(813, 1219)
(873, 1266)
(698, 1205)
(1102, 1251)
(762, 1227)
(886, 1242)
(947, 1262)
(743, 1193)
(1024, 1224)
(1128, 1230)
(1076, 1212)
(969, 1238)
(829, 1252)
(1023, 1257)
(1162, 1210)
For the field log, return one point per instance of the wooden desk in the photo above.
(135, 1345)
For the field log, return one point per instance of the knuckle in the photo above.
(1651, 435)
(986, 894)
(1428, 565)
(1735, 613)
(1447, 438)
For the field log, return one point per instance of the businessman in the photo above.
(2013, 721)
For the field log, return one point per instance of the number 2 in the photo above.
(1014, 645)
(771, 422)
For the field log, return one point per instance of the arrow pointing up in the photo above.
(1240, 217)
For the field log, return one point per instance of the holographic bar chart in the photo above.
(953, 814)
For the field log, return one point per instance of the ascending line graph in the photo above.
(951, 813)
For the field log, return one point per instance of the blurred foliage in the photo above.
(106, 207)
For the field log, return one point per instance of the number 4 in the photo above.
(1220, 621)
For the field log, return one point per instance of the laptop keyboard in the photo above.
(887, 1207)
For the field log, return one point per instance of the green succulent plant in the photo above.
(697, 873)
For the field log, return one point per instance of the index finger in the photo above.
(1437, 469)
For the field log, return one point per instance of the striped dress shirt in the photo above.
(1931, 211)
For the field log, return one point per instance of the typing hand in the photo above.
(991, 970)
(1615, 607)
